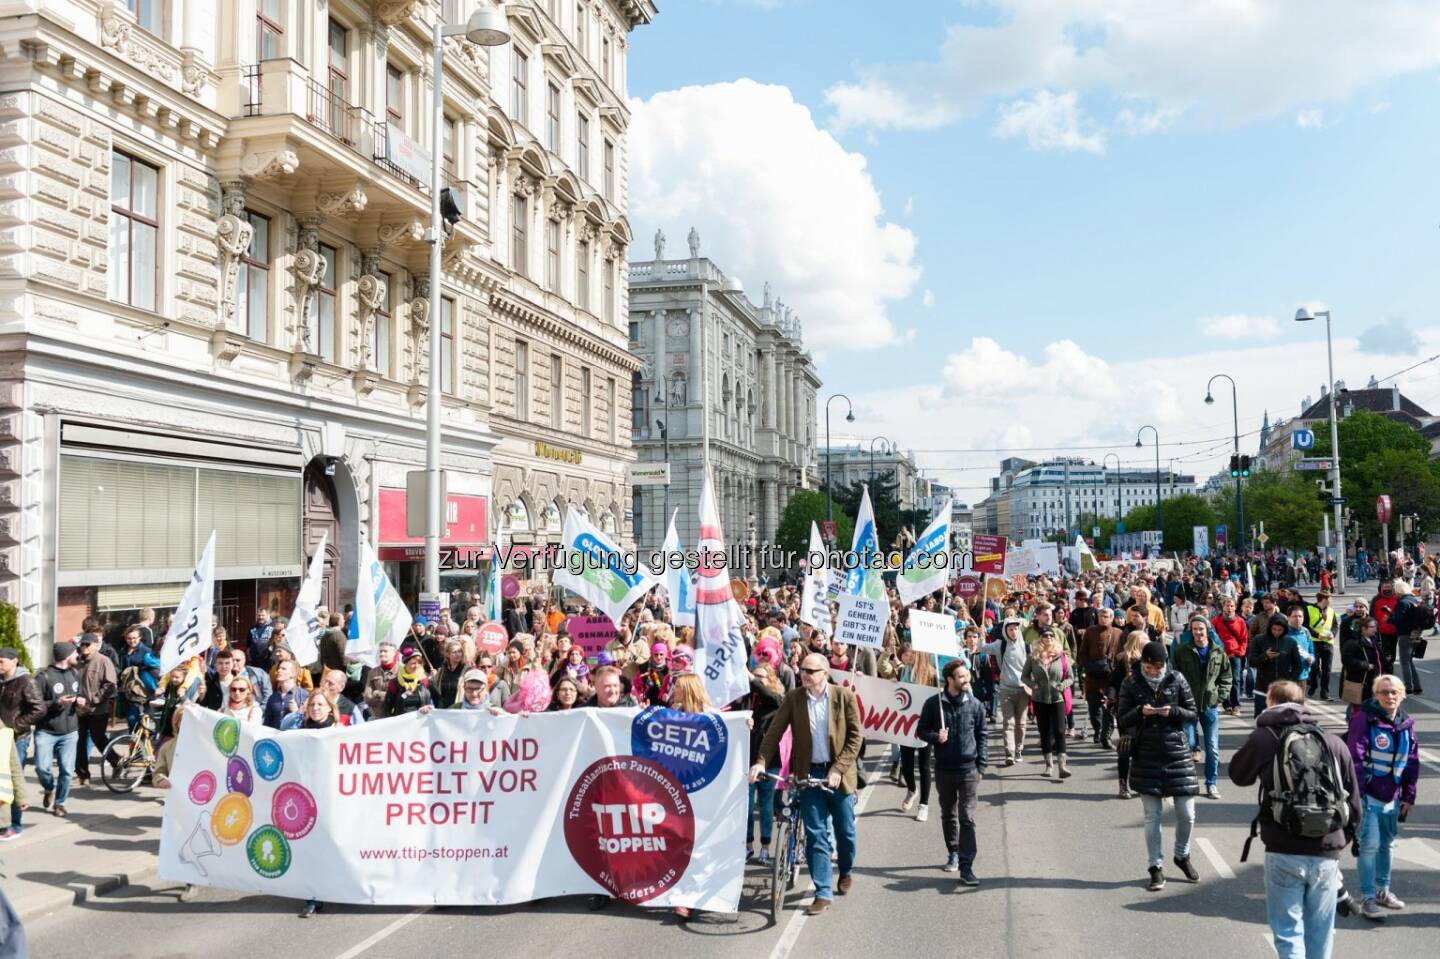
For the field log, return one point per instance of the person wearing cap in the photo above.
(652, 683)
(409, 691)
(98, 685)
(1083, 616)
(57, 733)
(377, 679)
(1156, 706)
(474, 691)
(1011, 653)
(20, 708)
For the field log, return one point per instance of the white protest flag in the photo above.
(304, 625)
(862, 580)
(593, 569)
(492, 603)
(926, 569)
(677, 583)
(1250, 577)
(380, 613)
(189, 632)
(815, 599)
(720, 653)
(1087, 558)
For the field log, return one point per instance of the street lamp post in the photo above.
(1159, 503)
(1239, 489)
(487, 28)
(1303, 315)
(830, 450)
(1103, 464)
(662, 396)
(888, 442)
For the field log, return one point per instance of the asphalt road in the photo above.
(1062, 868)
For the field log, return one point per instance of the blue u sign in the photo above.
(1303, 439)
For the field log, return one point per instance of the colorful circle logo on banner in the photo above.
(293, 810)
(227, 735)
(630, 826)
(269, 852)
(238, 778)
(232, 818)
(202, 787)
(691, 745)
(269, 759)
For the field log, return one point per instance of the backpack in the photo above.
(132, 685)
(1307, 796)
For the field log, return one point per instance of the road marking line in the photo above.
(1427, 702)
(1216, 861)
(797, 919)
(389, 930)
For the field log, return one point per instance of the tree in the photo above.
(1182, 514)
(1379, 455)
(804, 508)
(10, 634)
(885, 501)
(1287, 504)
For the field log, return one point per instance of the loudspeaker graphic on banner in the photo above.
(199, 845)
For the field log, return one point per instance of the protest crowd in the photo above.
(1132, 660)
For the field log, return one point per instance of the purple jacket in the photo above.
(1386, 752)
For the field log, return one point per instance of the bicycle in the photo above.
(129, 757)
(789, 841)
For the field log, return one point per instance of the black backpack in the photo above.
(1307, 796)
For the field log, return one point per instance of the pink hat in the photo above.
(659, 649)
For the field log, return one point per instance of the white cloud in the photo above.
(985, 368)
(774, 198)
(909, 205)
(1225, 63)
(1239, 326)
(1312, 119)
(1394, 336)
(927, 299)
(1048, 122)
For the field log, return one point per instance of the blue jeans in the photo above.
(1300, 904)
(1206, 735)
(819, 808)
(762, 792)
(1184, 824)
(22, 746)
(1378, 825)
(52, 747)
(1240, 677)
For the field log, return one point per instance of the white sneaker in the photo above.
(922, 813)
(907, 802)
(1384, 898)
(1212, 792)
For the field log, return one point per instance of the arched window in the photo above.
(553, 522)
(519, 517)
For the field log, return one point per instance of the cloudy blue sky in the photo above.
(1030, 224)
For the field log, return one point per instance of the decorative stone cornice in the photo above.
(309, 267)
(119, 33)
(503, 303)
(342, 202)
(392, 13)
(407, 231)
(269, 164)
(370, 292)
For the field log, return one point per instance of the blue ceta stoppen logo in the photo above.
(596, 555)
(691, 746)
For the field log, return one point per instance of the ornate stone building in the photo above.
(213, 252)
(729, 381)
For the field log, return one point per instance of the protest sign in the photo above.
(933, 633)
(861, 621)
(987, 554)
(889, 711)
(492, 638)
(459, 807)
(590, 633)
(996, 589)
(968, 586)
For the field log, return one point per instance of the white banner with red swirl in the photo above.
(462, 808)
(889, 712)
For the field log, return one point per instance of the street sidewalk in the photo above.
(108, 841)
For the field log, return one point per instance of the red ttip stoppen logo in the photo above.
(630, 825)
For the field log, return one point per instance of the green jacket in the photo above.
(1209, 681)
(1048, 683)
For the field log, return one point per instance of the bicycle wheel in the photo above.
(793, 847)
(124, 763)
(779, 867)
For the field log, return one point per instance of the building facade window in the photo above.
(149, 14)
(638, 404)
(447, 345)
(519, 84)
(395, 95)
(582, 274)
(384, 324)
(269, 29)
(252, 286)
(325, 304)
(552, 255)
(585, 411)
(134, 230)
(522, 380)
(608, 185)
(338, 77)
(552, 118)
(609, 305)
(611, 412)
(582, 146)
(557, 392)
(449, 169)
(580, 18)
(605, 70)
(519, 237)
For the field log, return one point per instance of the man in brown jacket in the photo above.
(98, 684)
(1098, 646)
(824, 724)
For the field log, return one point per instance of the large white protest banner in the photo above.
(933, 633)
(677, 581)
(595, 569)
(304, 627)
(927, 568)
(865, 577)
(380, 614)
(720, 654)
(888, 711)
(815, 597)
(464, 808)
(189, 632)
(860, 621)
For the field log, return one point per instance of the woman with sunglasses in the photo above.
(240, 702)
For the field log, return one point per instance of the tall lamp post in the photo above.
(1303, 315)
(1239, 490)
(486, 28)
(662, 396)
(888, 443)
(1159, 503)
(830, 450)
(1105, 462)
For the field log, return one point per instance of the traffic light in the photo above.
(1235, 465)
(1244, 466)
